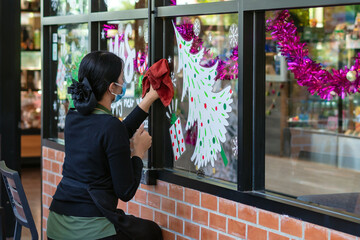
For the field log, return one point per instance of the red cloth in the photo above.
(158, 75)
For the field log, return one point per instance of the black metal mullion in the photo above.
(259, 102)
(245, 117)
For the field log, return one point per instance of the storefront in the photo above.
(243, 151)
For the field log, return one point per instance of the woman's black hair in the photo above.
(101, 68)
(96, 72)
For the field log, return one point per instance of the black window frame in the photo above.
(250, 189)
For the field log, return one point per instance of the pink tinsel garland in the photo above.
(226, 70)
(307, 72)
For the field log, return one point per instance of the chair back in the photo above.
(18, 201)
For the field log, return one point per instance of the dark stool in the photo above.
(18, 202)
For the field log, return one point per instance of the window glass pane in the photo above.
(129, 41)
(203, 116)
(116, 5)
(68, 7)
(312, 141)
(71, 47)
(185, 2)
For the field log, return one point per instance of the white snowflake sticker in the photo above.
(210, 36)
(54, 4)
(169, 59)
(173, 79)
(233, 35)
(103, 34)
(197, 27)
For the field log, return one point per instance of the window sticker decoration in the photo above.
(121, 48)
(60, 80)
(308, 72)
(209, 109)
(176, 133)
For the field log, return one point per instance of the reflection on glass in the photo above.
(203, 116)
(72, 47)
(184, 2)
(311, 143)
(119, 5)
(129, 41)
(68, 7)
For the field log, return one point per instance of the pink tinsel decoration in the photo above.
(307, 72)
(226, 70)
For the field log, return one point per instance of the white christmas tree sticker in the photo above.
(209, 109)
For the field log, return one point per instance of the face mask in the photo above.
(119, 96)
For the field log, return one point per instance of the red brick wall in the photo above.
(184, 213)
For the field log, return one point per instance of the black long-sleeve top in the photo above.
(97, 148)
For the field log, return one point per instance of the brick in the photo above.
(134, 209)
(192, 230)
(44, 235)
(227, 207)
(161, 219)
(291, 226)
(161, 188)
(208, 234)
(236, 228)
(51, 154)
(209, 201)
(269, 219)
(147, 187)
(60, 156)
(255, 233)
(192, 196)
(57, 180)
(46, 164)
(44, 176)
(44, 200)
(218, 222)
(55, 167)
(168, 205)
(176, 224)
(153, 200)
(178, 237)
(44, 222)
(246, 213)
(147, 213)
(341, 236)
(45, 212)
(314, 232)
(51, 178)
(200, 216)
(122, 205)
(168, 235)
(224, 237)
(44, 152)
(183, 210)
(274, 236)
(48, 189)
(176, 192)
(140, 196)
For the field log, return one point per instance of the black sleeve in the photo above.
(125, 171)
(134, 120)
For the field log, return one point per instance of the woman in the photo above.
(99, 167)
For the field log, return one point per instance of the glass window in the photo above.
(70, 45)
(312, 151)
(129, 41)
(185, 2)
(68, 7)
(116, 5)
(203, 115)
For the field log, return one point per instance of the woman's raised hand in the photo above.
(141, 142)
